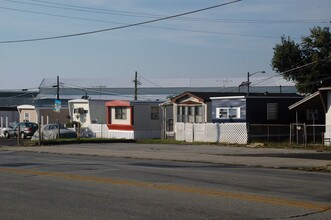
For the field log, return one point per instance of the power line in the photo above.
(146, 15)
(96, 91)
(150, 82)
(120, 27)
(264, 80)
(295, 68)
(148, 26)
(78, 8)
(56, 15)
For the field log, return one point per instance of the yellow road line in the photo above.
(177, 188)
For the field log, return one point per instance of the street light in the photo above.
(251, 74)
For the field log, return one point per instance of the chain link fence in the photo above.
(295, 133)
(268, 133)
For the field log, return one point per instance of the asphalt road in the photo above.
(53, 186)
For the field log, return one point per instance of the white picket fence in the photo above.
(234, 133)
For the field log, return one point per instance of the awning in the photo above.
(313, 101)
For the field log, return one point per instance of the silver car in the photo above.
(26, 129)
(53, 131)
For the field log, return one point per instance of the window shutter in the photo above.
(272, 111)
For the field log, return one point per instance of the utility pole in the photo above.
(58, 88)
(135, 86)
(248, 75)
(57, 104)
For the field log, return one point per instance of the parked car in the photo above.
(27, 129)
(52, 131)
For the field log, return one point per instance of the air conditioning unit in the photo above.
(79, 111)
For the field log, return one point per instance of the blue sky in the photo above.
(227, 41)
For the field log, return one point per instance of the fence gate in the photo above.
(302, 133)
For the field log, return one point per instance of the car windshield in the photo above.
(54, 127)
(31, 125)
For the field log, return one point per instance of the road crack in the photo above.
(300, 216)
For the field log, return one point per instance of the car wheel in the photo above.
(6, 134)
(22, 135)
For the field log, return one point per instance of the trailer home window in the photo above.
(190, 114)
(154, 113)
(312, 114)
(26, 116)
(228, 112)
(120, 113)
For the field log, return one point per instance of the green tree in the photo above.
(308, 64)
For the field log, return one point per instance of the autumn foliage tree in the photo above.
(308, 64)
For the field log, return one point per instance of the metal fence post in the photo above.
(305, 134)
(58, 131)
(291, 134)
(40, 134)
(192, 132)
(248, 133)
(268, 135)
(18, 135)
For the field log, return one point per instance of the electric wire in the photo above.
(112, 12)
(120, 27)
(290, 70)
(150, 82)
(147, 26)
(146, 15)
(99, 91)
(57, 15)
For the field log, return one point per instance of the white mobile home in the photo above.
(134, 119)
(87, 112)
